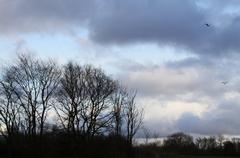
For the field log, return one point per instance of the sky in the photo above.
(161, 48)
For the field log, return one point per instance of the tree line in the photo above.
(86, 101)
(184, 144)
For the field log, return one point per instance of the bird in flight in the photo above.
(207, 25)
(224, 82)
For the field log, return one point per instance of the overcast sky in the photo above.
(161, 48)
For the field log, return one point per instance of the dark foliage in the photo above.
(63, 145)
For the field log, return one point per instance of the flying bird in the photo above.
(224, 82)
(207, 25)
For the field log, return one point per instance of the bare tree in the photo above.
(84, 99)
(133, 117)
(71, 97)
(147, 134)
(220, 140)
(97, 111)
(9, 110)
(33, 84)
(49, 77)
(119, 99)
(178, 140)
(88, 101)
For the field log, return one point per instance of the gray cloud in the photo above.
(166, 21)
(223, 119)
(172, 23)
(175, 23)
(18, 16)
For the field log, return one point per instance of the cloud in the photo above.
(222, 119)
(169, 23)
(175, 23)
(43, 16)
(193, 117)
(163, 80)
(187, 93)
(149, 21)
(192, 82)
(163, 116)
